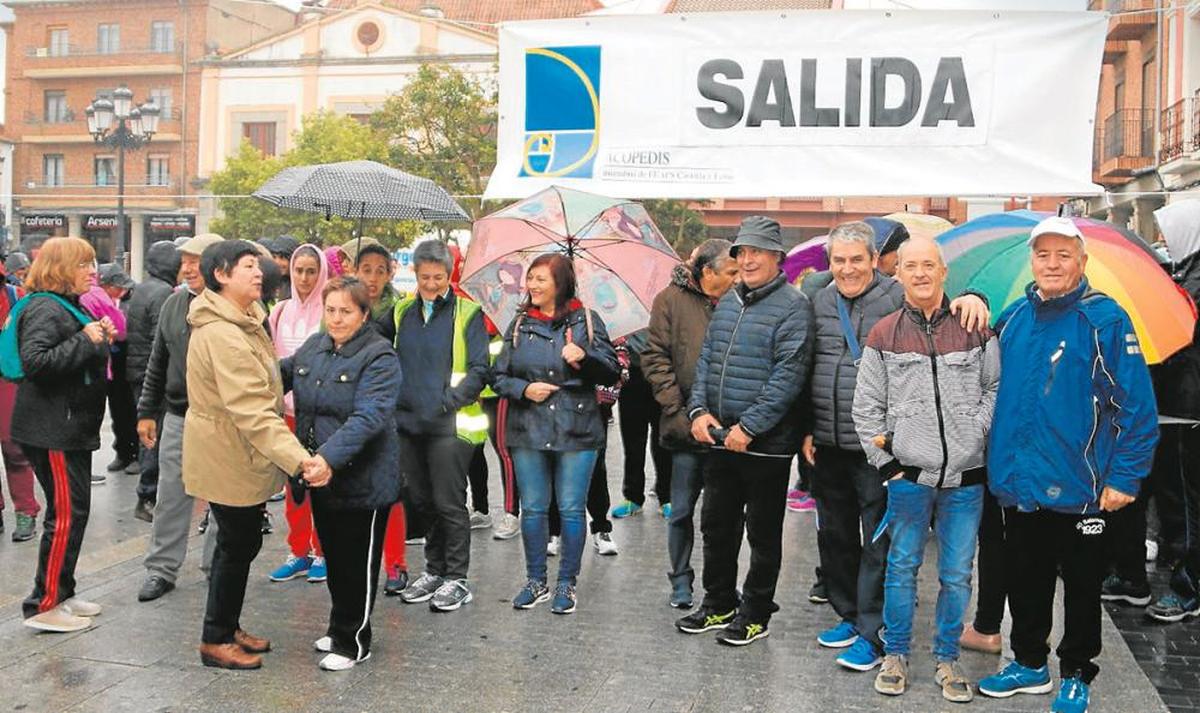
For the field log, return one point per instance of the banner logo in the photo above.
(562, 111)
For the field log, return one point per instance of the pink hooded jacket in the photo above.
(295, 320)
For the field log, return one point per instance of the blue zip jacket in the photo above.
(1075, 411)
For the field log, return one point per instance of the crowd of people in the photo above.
(239, 373)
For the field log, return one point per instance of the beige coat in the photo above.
(236, 446)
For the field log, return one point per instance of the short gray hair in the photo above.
(433, 251)
(852, 232)
(711, 253)
(918, 241)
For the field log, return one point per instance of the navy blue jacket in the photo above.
(570, 420)
(427, 402)
(754, 364)
(345, 410)
(1075, 411)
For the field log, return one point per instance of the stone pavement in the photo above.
(619, 652)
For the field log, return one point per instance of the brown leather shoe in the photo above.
(228, 656)
(975, 641)
(250, 643)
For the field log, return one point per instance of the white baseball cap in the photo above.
(1056, 225)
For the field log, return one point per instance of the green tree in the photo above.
(681, 225)
(325, 137)
(442, 125)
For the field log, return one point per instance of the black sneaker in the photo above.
(153, 588)
(817, 594)
(118, 463)
(704, 619)
(144, 510)
(1116, 589)
(742, 632)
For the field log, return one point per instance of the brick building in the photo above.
(61, 55)
(1147, 148)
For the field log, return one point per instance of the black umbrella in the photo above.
(360, 189)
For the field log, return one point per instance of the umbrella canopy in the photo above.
(808, 256)
(621, 259)
(921, 225)
(990, 255)
(360, 189)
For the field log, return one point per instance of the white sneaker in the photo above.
(508, 527)
(324, 644)
(1151, 550)
(553, 546)
(480, 520)
(59, 621)
(337, 662)
(79, 607)
(604, 543)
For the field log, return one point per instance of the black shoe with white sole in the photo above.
(742, 632)
(1116, 589)
(705, 619)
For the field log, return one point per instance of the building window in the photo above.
(162, 37)
(261, 135)
(106, 170)
(58, 41)
(158, 171)
(56, 107)
(52, 169)
(108, 39)
(162, 98)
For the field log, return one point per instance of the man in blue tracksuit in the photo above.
(1073, 435)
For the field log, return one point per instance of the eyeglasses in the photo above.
(86, 265)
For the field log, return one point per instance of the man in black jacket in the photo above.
(164, 400)
(141, 314)
(752, 368)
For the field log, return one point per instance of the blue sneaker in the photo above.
(666, 511)
(1172, 608)
(839, 637)
(292, 568)
(532, 594)
(1015, 678)
(861, 656)
(1072, 697)
(564, 599)
(318, 572)
(625, 508)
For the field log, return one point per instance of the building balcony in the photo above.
(1180, 127)
(90, 185)
(1130, 18)
(72, 61)
(1114, 50)
(1124, 145)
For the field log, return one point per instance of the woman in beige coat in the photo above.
(237, 449)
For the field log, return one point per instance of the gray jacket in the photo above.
(929, 388)
(834, 373)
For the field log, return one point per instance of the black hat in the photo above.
(758, 231)
(112, 274)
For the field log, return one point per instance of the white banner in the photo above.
(800, 103)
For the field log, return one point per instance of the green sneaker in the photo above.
(25, 528)
(704, 619)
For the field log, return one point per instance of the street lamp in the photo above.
(118, 124)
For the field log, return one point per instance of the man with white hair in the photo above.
(1072, 438)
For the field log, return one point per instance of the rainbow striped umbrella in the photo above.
(990, 255)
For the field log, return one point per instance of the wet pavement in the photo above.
(619, 652)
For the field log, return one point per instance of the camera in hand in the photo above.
(718, 434)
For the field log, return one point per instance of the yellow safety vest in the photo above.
(470, 423)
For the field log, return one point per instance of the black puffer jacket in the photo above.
(165, 387)
(346, 410)
(144, 306)
(834, 373)
(60, 404)
(1177, 380)
(570, 419)
(754, 364)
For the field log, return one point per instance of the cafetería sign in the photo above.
(43, 221)
(800, 103)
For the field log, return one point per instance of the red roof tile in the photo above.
(479, 11)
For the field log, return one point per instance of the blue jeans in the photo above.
(910, 509)
(687, 481)
(571, 472)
